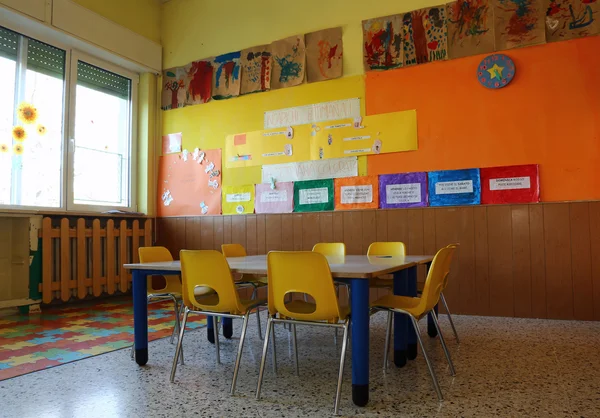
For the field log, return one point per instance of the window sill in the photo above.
(17, 212)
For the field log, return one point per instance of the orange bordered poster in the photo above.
(356, 193)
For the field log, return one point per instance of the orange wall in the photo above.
(549, 115)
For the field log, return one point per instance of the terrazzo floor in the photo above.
(505, 367)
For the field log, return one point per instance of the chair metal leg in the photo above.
(429, 366)
(177, 319)
(258, 324)
(443, 341)
(443, 299)
(295, 341)
(179, 344)
(388, 335)
(216, 333)
(341, 374)
(264, 356)
(274, 350)
(240, 351)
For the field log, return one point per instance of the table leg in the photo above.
(400, 320)
(227, 327)
(359, 304)
(411, 336)
(140, 316)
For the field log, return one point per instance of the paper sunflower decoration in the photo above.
(3, 148)
(18, 149)
(41, 130)
(19, 133)
(27, 113)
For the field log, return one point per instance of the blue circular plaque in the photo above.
(496, 71)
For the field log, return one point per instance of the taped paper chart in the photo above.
(408, 190)
(238, 200)
(454, 187)
(512, 184)
(319, 112)
(311, 170)
(356, 193)
(313, 195)
(384, 133)
(278, 200)
(189, 185)
(273, 146)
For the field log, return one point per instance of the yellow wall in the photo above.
(195, 29)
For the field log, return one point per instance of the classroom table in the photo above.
(355, 270)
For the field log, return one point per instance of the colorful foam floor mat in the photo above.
(62, 334)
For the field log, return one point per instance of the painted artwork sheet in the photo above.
(227, 76)
(289, 62)
(383, 46)
(454, 187)
(173, 88)
(199, 81)
(571, 19)
(324, 53)
(425, 35)
(238, 200)
(313, 195)
(407, 190)
(376, 134)
(277, 200)
(518, 23)
(256, 63)
(356, 193)
(271, 146)
(512, 184)
(189, 184)
(470, 28)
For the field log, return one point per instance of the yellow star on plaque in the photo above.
(496, 71)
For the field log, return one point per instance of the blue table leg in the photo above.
(359, 304)
(227, 327)
(411, 337)
(140, 317)
(400, 320)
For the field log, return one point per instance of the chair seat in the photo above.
(213, 299)
(306, 308)
(256, 281)
(401, 303)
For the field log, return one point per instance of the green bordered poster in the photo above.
(313, 195)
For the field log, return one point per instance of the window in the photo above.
(74, 154)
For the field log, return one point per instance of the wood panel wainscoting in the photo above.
(531, 261)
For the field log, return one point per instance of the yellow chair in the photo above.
(417, 308)
(302, 272)
(443, 299)
(395, 249)
(330, 248)
(209, 269)
(237, 250)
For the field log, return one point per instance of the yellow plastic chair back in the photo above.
(436, 278)
(395, 249)
(447, 273)
(233, 250)
(337, 249)
(301, 272)
(154, 255)
(208, 269)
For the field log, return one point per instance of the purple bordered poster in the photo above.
(278, 200)
(408, 190)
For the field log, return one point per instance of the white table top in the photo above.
(350, 266)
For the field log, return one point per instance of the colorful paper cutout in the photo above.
(425, 35)
(183, 186)
(289, 58)
(324, 52)
(407, 190)
(256, 63)
(171, 143)
(470, 28)
(571, 19)
(454, 187)
(313, 195)
(512, 184)
(277, 200)
(518, 23)
(496, 71)
(357, 193)
(173, 88)
(383, 47)
(226, 80)
(238, 200)
(199, 81)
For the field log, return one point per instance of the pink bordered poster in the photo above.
(277, 200)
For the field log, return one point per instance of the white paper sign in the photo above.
(274, 154)
(454, 187)
(357, 138)
(510, 183)
(357, 151)
(313, 196)
(237, 197)
(403, 193)
(334, 168)
(320, 112)
(273, 196)
(357, 194)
